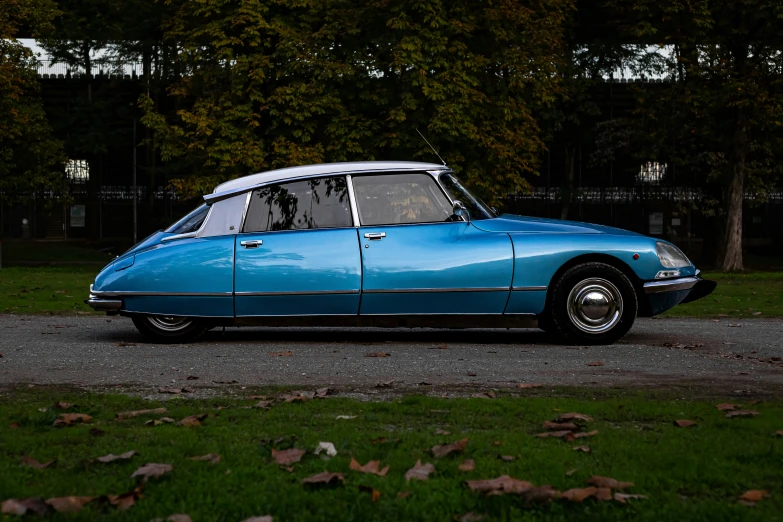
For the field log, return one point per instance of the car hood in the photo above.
(532, 225)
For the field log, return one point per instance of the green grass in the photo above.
(694, 473)
(754, 294)
(29, 251)
(45, 290)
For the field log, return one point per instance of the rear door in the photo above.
(298, 253)
(417, 260)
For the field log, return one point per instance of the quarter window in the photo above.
(400, 199)
(299, 205)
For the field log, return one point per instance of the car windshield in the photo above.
(477, 208)
(190, 223)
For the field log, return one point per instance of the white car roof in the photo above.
(322, 169)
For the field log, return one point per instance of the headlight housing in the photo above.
(670, 256)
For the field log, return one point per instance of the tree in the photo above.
(720, 115)
(31, 159)
(273, 83)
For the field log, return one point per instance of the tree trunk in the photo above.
(732, 240)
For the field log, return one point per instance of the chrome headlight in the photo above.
(670, 256)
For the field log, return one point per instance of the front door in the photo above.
(417, 260)
(298, 253)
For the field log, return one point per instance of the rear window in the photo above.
(190, 223)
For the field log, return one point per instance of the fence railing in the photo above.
(48, 69)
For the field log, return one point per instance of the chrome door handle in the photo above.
(372, 236)
(252, 243)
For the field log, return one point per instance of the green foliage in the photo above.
(269, 84)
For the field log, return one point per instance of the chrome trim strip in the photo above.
(103, 305)
(528, 288)
(672, 285)
(312, 292)
(352, 201)
(434, 290)
(182, 236)
(159, 294)
(299, 315)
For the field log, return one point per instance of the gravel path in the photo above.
(735, 356)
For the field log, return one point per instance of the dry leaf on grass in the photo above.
(267, 518)
(125, 501)
(499, 486)
(608, 482)
(287, 353)
(779, 433)
(386, 384)
(556, 434)
(262, 404)
(560, 426)
(63, 405)
(152, 470)
(467, 465)
(372, 467)
(583, 449)
(378, 354)
(683, 423)
(178, 517)
(321, 393)
(193, 420)
(579, 494)
(573, 436)
(540, 494)
(572, 416)
(507, 458)
(525, 386)
(21, 507)
(68, 504)
(69, 419)
(29, 461)
(326, 447)
(375, 495)
(595, 363)
(622, 497)
(419, 471)
(726, 406)
(742, 413)
(754, 495)
(111, 457)
(445, 449)
(325, 478)
(131, 414)
(442, 432)
(288, 457)
(212, 458)
(471, 517)
(570, 472)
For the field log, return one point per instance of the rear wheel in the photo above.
(169, 329)
(592, 303)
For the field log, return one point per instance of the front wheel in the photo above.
(592, 303)
(169, 329)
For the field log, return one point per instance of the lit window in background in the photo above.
(77, 171)
(651, 172)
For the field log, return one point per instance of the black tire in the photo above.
(592, 303)
(169, 330)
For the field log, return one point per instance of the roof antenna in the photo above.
(433, 148)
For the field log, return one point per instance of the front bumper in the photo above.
(668, 293)
(102, 304)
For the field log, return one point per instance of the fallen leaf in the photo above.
(174, 391)
(496, 443)
(125, 501)
(325, 478)
(604, 494)
(779, 433)
(442, 432)
(123, 343)
(742, 413)
(445, 449)
(131, 414)
(556, 434)
(69, 419)
(583, 449)
(499, 486)
(13, 506)
(267, 518)
(374, 493)
(288, 457)
(683, 423)
(471, 517)
(754, 495)
(372, 467)
(63, 405)
(345, 417)
(286, 353)
(262, 404)
(507, 458)
(608, 482)
(440, 347)
(152, 470)
(574, 416)
(29, 461)
(179, 517)
(570, 472)
(467, 465)
(419, 471)
(326, 447)
(525, 386)
(385, 384)
(595, 363)
(560, 426)
(622, 497)
(484, 395)
(321, 393)
(379, 354)
(68, 504)
(573, 436)
(212, 458)
(578, 494)
(193, 420)
(111, 457)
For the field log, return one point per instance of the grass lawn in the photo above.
(46, 290)
(694, 473)
(51, 252)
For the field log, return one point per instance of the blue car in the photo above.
(392, 244)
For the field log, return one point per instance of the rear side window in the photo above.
(190, 223)
(300, 205)
(400, 199)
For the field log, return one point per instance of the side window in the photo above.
(400, 199)
(299, 205)
(190, 223)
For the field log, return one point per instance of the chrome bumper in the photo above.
(671, 285)
(103, 305)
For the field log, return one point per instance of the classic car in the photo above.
(391, 244)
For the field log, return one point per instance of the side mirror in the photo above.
(461, 211)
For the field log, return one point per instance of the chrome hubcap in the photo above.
(595, 305)
(169, 323)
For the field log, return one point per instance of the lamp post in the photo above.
(135, 189)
